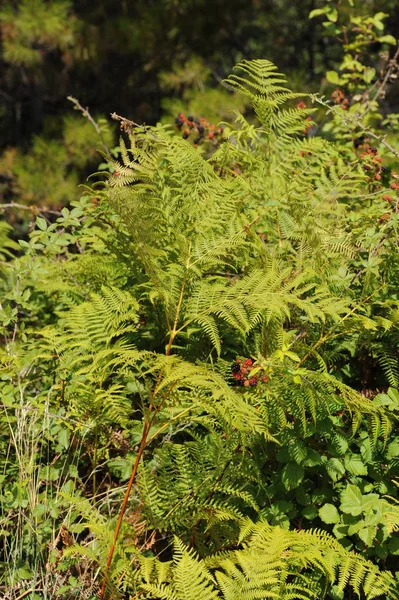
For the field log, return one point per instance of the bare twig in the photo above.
(126, 125)
(392, 66)
(355, 121)
(380, 139)
(34, 209)
(86, 113)
(30, 591)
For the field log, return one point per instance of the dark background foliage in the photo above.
(110, 54)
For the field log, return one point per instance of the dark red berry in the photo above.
(235, 367)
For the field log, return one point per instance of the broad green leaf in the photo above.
(340, 530)
(354, 465)
(393, 546)
(292, 475)
(351, 500)
(366, 450)
(316, 12)
(41, 223)
(329, 514)
(372, 504)
(39, 510)
(313, 458)
(368, 76)
(309, 512)
(355, 527)
(332, 15)
(335, 468)
(339, 444)
(387, 39)
(283, 506)
(333, 77)
(297, 451)
(367, 535)
(63, 439)
(393, 449)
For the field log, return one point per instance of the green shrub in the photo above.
(204, 321)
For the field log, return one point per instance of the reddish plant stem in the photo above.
(146, 429)
(152, 413)
(143, 443)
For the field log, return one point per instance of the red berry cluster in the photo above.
(304, 131)
(369, 155)
(339, 98)
(376, 172)
(241, 373)
(394, 185)
(393, 203)
(388, 198)
(199, 127)
(384, 217)
(302, 104)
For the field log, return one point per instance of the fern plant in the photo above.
(134, 311)
(270, 562)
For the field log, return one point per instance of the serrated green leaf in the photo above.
(368, 74)
(351, 500)
(367, 535)
(354, 465)
(335, 468)
(393, 449)
(309, 512)
(297, 451)
(329, 514)
(340, 530)
(292, 475)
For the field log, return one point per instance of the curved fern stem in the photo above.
(179, 305)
